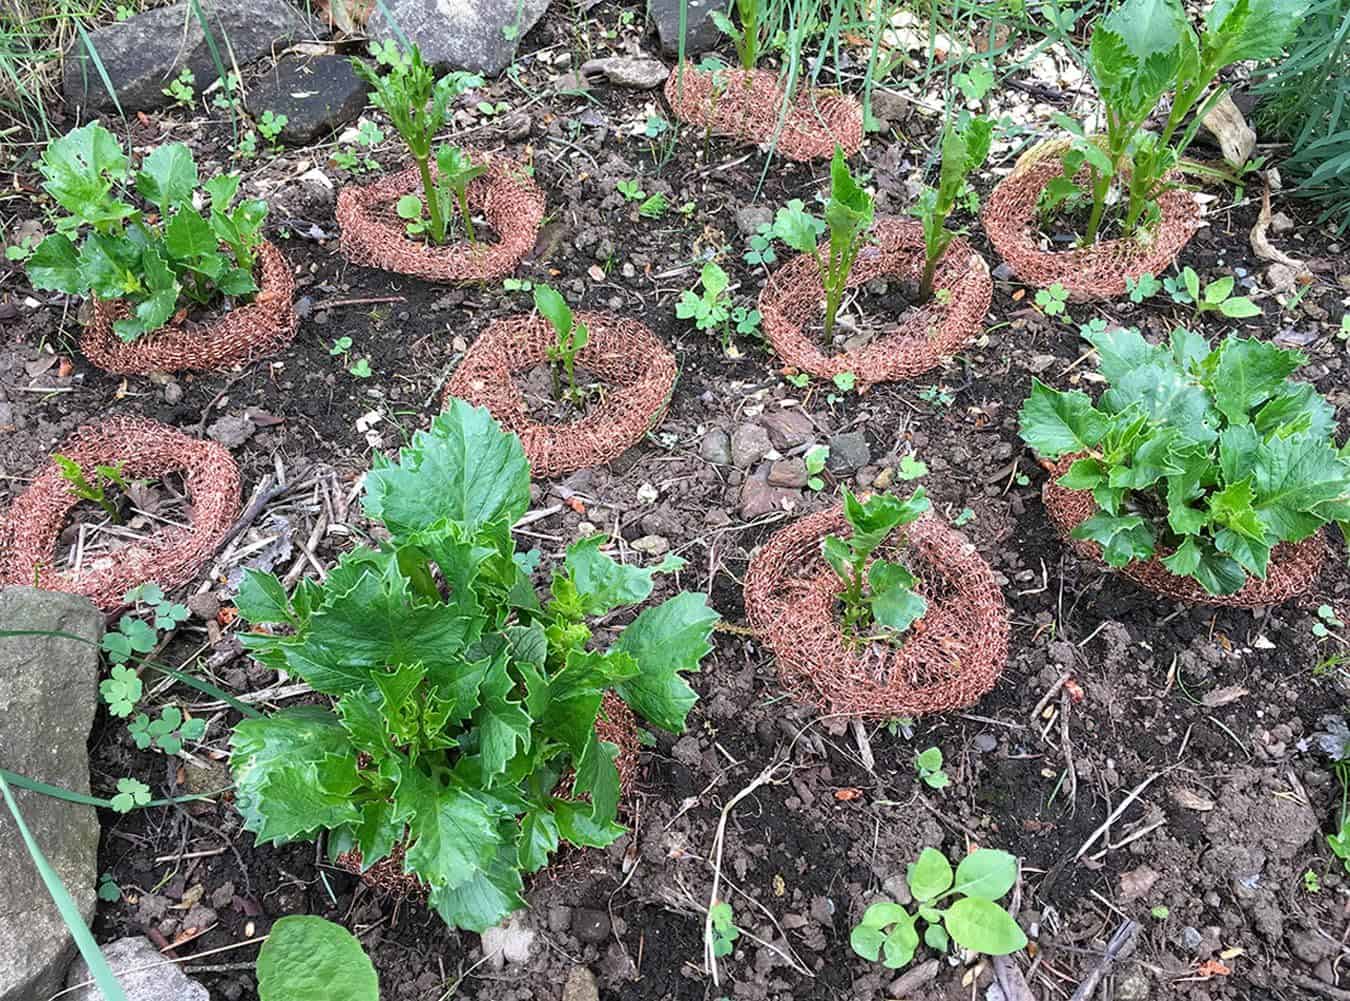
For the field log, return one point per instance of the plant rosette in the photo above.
(925, 335)
(172, 556)
(1098, 271)
(243, 334)
(374, 236)
(947, 660)
(1292, 571)
(747, 104)
(637, 369)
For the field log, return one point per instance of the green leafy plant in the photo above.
(710, 309)
(760, 244)
(247, 147)
(1141, 52)
(972, 919)
(1206, 458)
(570, 337)
(844, 381)
(1328, 621)
(1216, 297)
(928, 763)
(105, 476)
(455, 171)
(1335, 742)
(745, 38)
(131, 793)
(724, 931)
(464, 723)
(963, 518)
(1146, 286)
(653, 206)
(132, 636)
(631, 189)
(123, 255)
(1051, 300)
(356, 157)
(168, 732)
(965, 145)
(911, 468)
(270, 125)
(1311, 884)
(307, 958)
(877, 592)
(182, 88)
(122, 689)
(815, 458)
(406, 89)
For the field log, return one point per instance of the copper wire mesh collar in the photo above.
(616, 724)
(951, 657)
(171, 556)
(374, 236)
(747, 105)
(638, 371)
(1293, 567)
(924, 336)
(244, 334)
(1098, 271)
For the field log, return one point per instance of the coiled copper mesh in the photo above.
(924, 336)
(638, 372)
(747, 105)
(1293, 567)
(245, 333)
(1098, 271)
(616, 724)
(374, 236)
(172, 556)
(951, 657)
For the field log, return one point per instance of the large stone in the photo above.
(317, 94)
(155, 980)
(475, 35)
(700, 32)
(144, 53)
(48, 693)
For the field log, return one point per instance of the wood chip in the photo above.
(1191, 800)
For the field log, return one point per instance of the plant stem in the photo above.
(1100, 185)
(433, 204)
(464, 212)
(926, 282)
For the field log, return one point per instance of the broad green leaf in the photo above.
(1123, 538)
(894, 604)
(1253, 29)
(307, 958)
(983, 926)
(597, 777)
(1055, 423)
(671, 638)
(1232, 508)
(930, 875)
(935, 937)
(987, 873)
(838, 555)
(262, 599)
(1121, 350)
(80, 170)
(221, 189)
(900, 944)
(602, 583)
(1083, 474)
(538, 839)
(482, 901)
(1239, 307)
(189, 237)
(453, 835)
(1216, 573)
(502, 724)
(1248, 374)
(167, 178)
(553, 308)
(55, 266)
(866, 941)
(1252, 554)
(1296, 407)
(1301, 483)
(577, 823)
(798, 228)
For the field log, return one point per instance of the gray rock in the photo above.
(626, 71)
(581, 986)
(1132, 985)
(716, 447)
(752, 217)
(590, 925)
(143, 53)
(48, 693)
(1311, 947)
(511, 940)
(890, 106)
(231, 430)
(162, 982)
(317, 94)
(460, 34)
(849, 452)
(652, 545)
(749, 443)
(700, 32)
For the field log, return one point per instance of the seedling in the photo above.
(105, 476)
(937, 396)
(654, 206)
(1051, 300)
(881, 594)
(108, 890)
(1144, 287)
(132, 636)
(928, 763)
(340, 347)
(844, 381)
(911, 468)
(631, 190)
(965, 146)
(815, 459)
(455, 171)
(965, 517)
(517, 285)
(710, 309)
(1327, 621)
(1335, 741)
(570, 337)
(360, 368)
(182, 88)
(761, 245)
(167, 733)
(746, 321)
(723, 929)
(1217, 296)
(131, 793)
(1161, 912)
(975, 83)
(122, 689)
(270, 125)
(1311, 884)
(247, 147)
(973, 920)
(745, 38)
(1206, 458)
(356, 158)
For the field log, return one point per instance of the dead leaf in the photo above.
(1223, 696)
(1261, 244)
(1137, 882)
(1190, 800)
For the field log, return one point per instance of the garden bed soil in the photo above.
(1213, 707)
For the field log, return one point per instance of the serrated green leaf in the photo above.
(453, 835)
(262, 599)
(1123, 538)
(307, 958)
(538, 839)
(667, 640)
(167, 178)
(1248, 374)
(481, 901)
(55, 266)
(1055, 423)
(602, 583)
(503, 725)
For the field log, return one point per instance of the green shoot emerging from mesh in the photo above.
(746, 37)
(97, 490)
(965, 145)
(880, 596)
(570, 337)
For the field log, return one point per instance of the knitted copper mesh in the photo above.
(747, 105)
(1098, 271)
(616, 724)
(924, 335)
(245, 333)
(374, 236)
(171, 556)
(1293, 567)
(948, 659)
(638, 374)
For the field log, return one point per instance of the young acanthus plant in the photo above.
(745, 38)
(151, 261)
(462, 733)
(1207, 458)
(571, 336)
(848, 216)
(972, 920)
(406, 89)
(965, 145)
(881, 595)
(1139, 53)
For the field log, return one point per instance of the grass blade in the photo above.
(97, 60)
(70, 796)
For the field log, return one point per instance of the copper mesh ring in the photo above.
(638, 372)
(172, 556)
(374, 236)
(1098, 271)
(924, 337)
(244, 334)
(1292, 572)
(747, 105)
(949, 659)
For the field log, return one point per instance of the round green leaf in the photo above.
(987, 873)
(930, 875)
(983, 926)
(898, 949)
(306, 958)
(866, 942)
(935, 937)
(884, 913)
